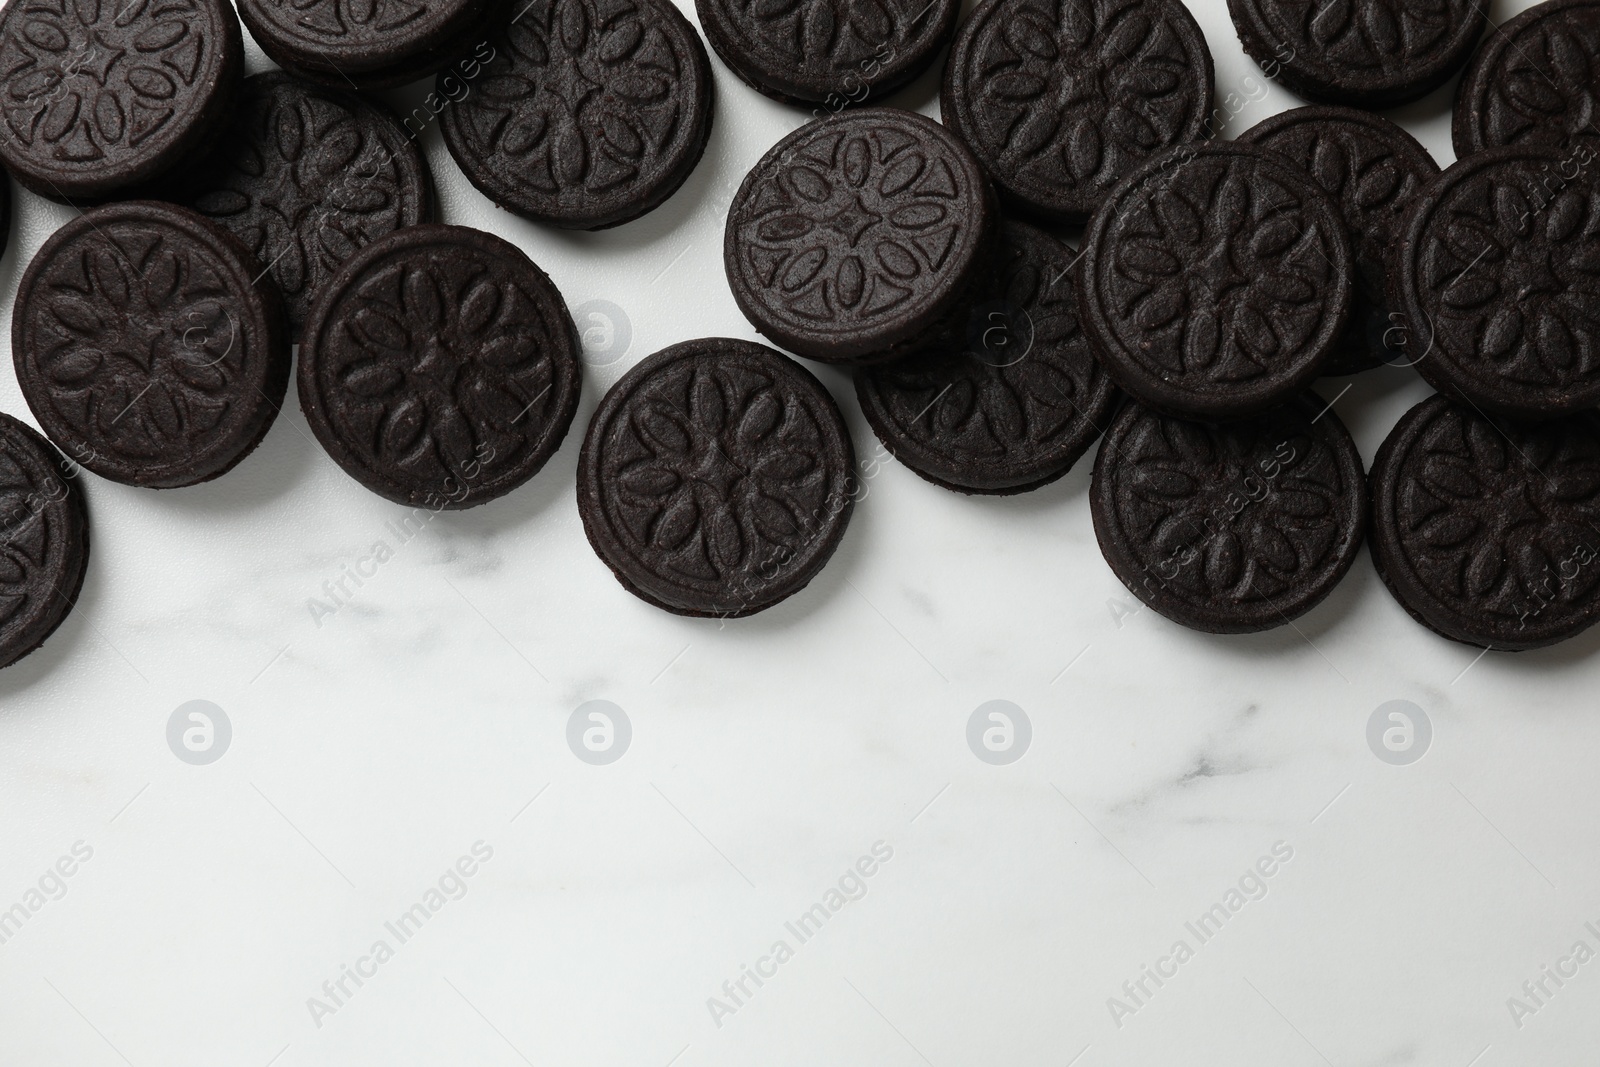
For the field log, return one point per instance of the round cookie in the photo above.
(1216, 281)
(1487, 530)
(1494, 274)
(861, 237)
(367, 44)
(1060, 101)
(149, 346)
(1366, 53)
(101, 96)
(1373, 170)
(716, 478)
(1015, 406)
(1230, 527)
(305, 176)
(833, 53)
(44, 540)
(1534, 83)
(590, 114)
(440, 367)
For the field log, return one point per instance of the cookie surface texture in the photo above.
(1060, 99)
(1233, 527)
(590, 113)
(440, 367)
(1485, 528)
(861, 237)
(1216, 281)
(1372, 169)
(367, 44)
(305, 177)
(1017, 403)
(832, 53)
(44, 540)
(149, 345)
(1495, 278)
(1534, 83)
(1365, 53)
(716, 478)
(100, 96)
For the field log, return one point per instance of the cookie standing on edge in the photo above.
(590, 114)
(1232, 527)
(1495, 276)
(1373, 170)
(1534, 83)
(306, 176)
(716, 478)
(1365, 53)
(44, 540)
(861, 237)
(1215, 281)
(1488, 531)
(368, 44)
(1016, 405)
(834, 53)
(149, 345)
(440, 367)
(101, 97)
(1059, 103)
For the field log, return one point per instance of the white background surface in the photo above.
(767, 755)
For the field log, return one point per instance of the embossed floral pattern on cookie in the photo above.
(1018, 402)
(715, 478)
(1230, 527)
(862, 225)
(1504, 270)
(144, 346)
(441, 367)
(1489, 530)
(1216, 280)
(1372, 169)
(1061, 98)
(589, 114)
(1377, 53)
(307, 176)
(99, 93)
(1536, 82)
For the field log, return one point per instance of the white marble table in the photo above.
(612, 909)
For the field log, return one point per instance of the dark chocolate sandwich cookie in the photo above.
(306, 176)
(44, 540)
(861, 237)
(368, 44)
(149, 345)
(1060, 101)
(100, 96)
(716, 478)
(1367, 53)
(1216, 281)
(1486, 529)
(1535, 83)
(440, 367)
(1497, 274)
(1230, 527)
(1372, 169)
(1013, 407)
(590, 113)
(833, 53)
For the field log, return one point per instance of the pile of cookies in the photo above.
(226, 219)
